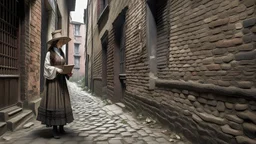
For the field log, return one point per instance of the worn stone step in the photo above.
(3, 128)
(12, 113)
(19, 120)
(9, 113)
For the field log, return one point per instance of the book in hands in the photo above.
(67, 69)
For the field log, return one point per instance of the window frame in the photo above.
(77, 65)
(76, 49)
(102, 5)
(77, 29)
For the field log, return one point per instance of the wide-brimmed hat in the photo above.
(57, 35)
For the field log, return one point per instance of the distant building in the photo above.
(76, 49)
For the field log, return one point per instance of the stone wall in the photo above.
(207, 92)
(210, 42)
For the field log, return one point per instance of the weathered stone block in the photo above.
(235, 125)
(243, 15)
(219, 22)
(246, 47)
(249, 22)
(239, 26)
(207, 61)
(227, 129)
(225, 66)
(249, 3)
(229, 105)
(192, 98)
(182, 96)
(223, 83)
(229, 43)
(240, 8)
(250, 129)
(213, 67)
(200, 109)
(234, 118)
(219, 51)
(196, 118)
(246, 31)
(247, 115)
(221, 106)
(239, 35)
(202, 100)
(228, 58)
(247, 38)
(212, 102)
(187, 113)
(188, 102)
(197, 104)
(218, 60)
(216, 113)
(245, 55)
(253, 29)
(241, 107)
(245, 140)
(244, 84)
(213, 119)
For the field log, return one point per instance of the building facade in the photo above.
(190, 63)
(76, 49)
(22, 51)
(20, 25)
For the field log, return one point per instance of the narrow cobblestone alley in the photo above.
(95, 123)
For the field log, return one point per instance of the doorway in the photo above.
(104, 42)
(9, 52)
(119, 56)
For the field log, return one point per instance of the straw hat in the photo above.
(56, 35)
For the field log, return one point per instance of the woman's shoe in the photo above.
(61, 129)
(55, 132)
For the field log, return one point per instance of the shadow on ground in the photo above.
(46, 133)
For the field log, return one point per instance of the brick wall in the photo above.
(208, 42)
(33, 52)
(207, 92)
(30, 52)
(137, 67)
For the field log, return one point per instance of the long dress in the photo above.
(55, 107)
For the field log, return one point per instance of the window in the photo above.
(102, 4)
(76, 30)
(76, 49)
(158, 33)
(122, 54)
(163, 32)
(77, 62)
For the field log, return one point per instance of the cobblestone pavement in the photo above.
(95, 123)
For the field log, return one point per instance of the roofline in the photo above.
(71, 5)
(75, 22)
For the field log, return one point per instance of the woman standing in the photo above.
(55, 108)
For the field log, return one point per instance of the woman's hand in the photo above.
(59, 70)
(70, 74)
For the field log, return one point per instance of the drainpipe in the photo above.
(92, 59)
(86, 40)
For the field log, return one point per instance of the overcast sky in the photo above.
(78, 14)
